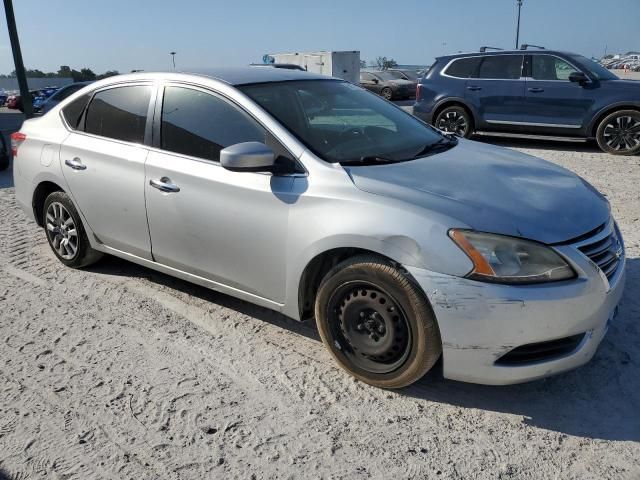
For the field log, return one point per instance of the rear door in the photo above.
(497, 91)
(552, 100)
(103, 164)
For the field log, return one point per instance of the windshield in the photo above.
(595, 69)
(341, 122)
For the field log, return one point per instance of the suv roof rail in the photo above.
(484, 49)
(525, 46)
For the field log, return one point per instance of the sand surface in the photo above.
(119, 372)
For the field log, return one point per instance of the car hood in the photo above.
(633, 85)
(492, 189)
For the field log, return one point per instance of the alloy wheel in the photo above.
(622, 133)
(61, 231)
(370, 328)
(452, 122)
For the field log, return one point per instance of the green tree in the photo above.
(64, 71)
(384, 63)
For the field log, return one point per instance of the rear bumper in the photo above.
(23, 192)
(424, 111)
(480, 322)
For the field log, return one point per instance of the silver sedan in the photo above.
(313, 197)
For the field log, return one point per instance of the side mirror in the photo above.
(375, 80)
(248, 157)
(578, 77)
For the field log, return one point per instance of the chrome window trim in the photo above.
(442, 72)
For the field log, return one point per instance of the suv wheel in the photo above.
(65, 232)
(619, 133)
(387, 93)
(376, 323)
(454, 120)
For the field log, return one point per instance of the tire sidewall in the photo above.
(83, 241)
(461, 111)
(416, 313)
(600, 133)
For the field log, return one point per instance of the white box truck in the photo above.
(345, 64)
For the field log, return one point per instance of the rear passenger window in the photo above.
(119, 113)
(73, 111)
(200, 124)
(501, 67)
(463, 68)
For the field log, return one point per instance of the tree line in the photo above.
(82, 75)
(381, 63)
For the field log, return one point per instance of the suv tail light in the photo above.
(16, 140)
(418, 92)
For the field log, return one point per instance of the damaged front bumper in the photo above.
(480, 323)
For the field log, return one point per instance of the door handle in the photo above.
(536, 90)
(474, 88)
(76, 164)
(164, 185)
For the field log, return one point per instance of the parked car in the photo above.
(408, 75)
(403, 242)
(386, 84)
(539, 92)
(58, 96)
(14, 102)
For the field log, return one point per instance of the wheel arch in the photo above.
(602, 114)
(40, 194)
(318, 266)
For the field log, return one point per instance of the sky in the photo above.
(139, 34)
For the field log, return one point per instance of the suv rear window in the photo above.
(501, 67)
(73, 111)
(119, 113)
(463, 67)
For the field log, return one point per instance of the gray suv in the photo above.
(406, 245)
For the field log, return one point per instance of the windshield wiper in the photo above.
(368, 160)
(445, 143)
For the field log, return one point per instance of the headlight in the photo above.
(501, 259)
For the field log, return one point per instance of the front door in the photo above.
(103, 164)
(497, 91)
(552, 100)
(228, 227)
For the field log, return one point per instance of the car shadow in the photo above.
(4, 475)
(6, 177)
(541, 144)
(599, 400)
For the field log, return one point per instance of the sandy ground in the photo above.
(120, 372)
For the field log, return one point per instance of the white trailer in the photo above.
(345, 64)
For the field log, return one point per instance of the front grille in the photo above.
(605, 252)
(541, 351)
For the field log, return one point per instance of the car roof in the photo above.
(504, 52)
(247, 75)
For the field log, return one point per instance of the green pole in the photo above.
(21, 74)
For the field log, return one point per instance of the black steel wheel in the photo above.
(454, 120)
(376, 322)
(619, 133)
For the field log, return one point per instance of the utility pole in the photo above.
(21, 74)
(173, 58)
(518, 27)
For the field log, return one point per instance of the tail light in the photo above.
(16, 140)
(418, 92)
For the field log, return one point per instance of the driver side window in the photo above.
(548, 67)
(200, 124)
